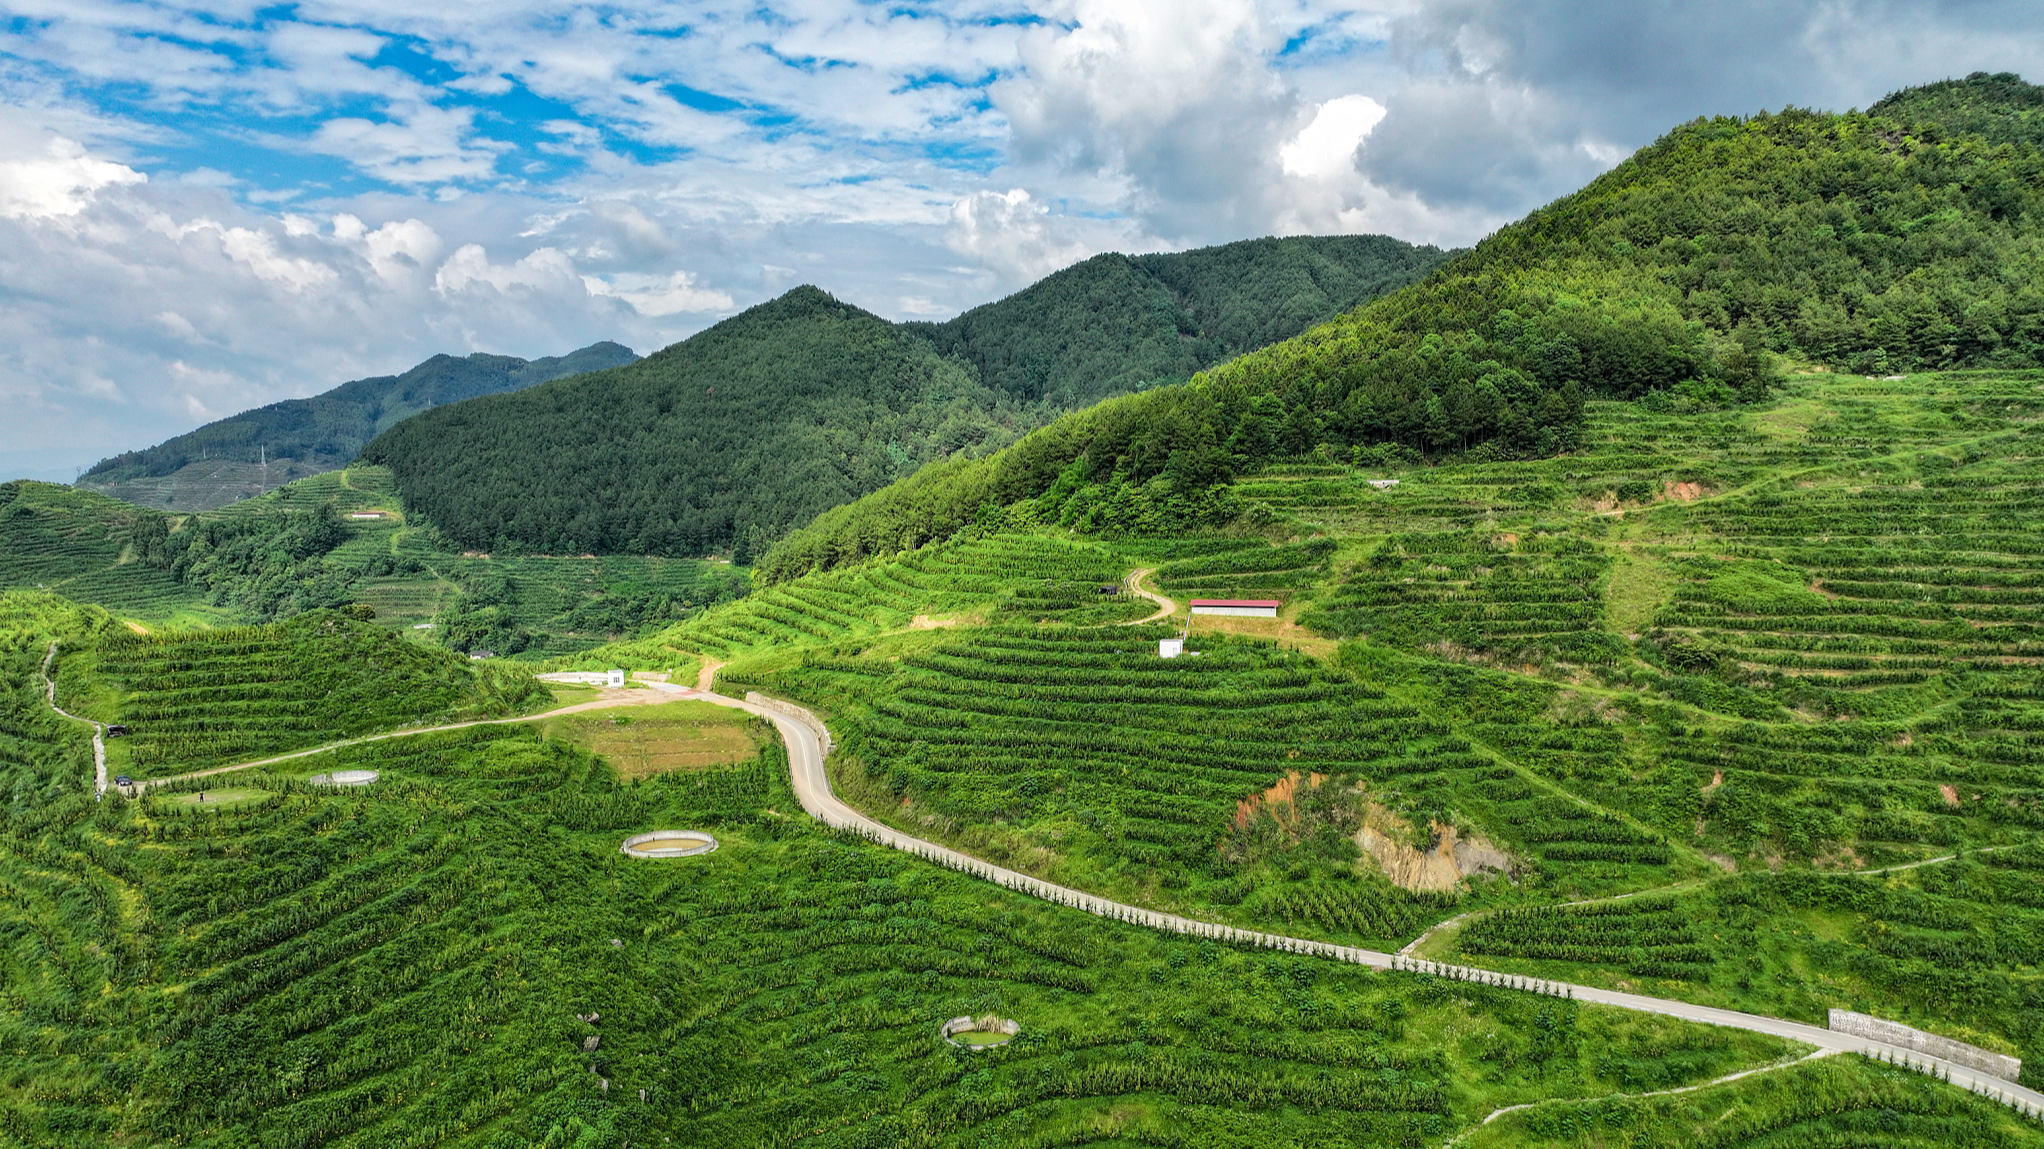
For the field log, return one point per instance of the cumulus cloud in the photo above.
(201, 211)
(60, 181)
(1327, 145)
(657, 297)
(1012, 234)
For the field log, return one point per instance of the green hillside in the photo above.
(1711, 672)
(264, 448)
(332, 540)
(1118, 323)
(459, 956)
(1876, 243)
(731, 438)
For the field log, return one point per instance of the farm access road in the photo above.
(616, 699)
(1165, 607)
(808, 741)
(807, 737)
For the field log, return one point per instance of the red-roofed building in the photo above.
(1244, 607)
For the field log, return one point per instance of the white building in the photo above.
(1242, 607)
(615, 679)
(1170, 647)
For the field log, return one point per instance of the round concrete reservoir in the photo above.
(980, 1032)
(668, 844)
(344, 778)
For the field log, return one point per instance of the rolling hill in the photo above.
(1728, 695)
(731, 438)
(264, 448)
(1875, 242)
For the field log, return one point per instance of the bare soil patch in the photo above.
(663, 736)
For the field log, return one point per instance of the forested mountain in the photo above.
(734, 436)
(1115, 323)
(1875, 242)
(299, 437)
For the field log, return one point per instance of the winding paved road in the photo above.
(809, 741)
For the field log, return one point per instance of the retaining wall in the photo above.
(1895, 1033)
(795, 712)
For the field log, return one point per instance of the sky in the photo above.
(205, 207)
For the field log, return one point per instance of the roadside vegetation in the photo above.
(1704, 663)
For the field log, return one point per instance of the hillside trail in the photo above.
(1413, 947)
(98, 731)
(808, 741)
(1165, 607)
(619, 699)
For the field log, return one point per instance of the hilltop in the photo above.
(1707, 671)
(736, 435)
(264, 448)
(1876, 242)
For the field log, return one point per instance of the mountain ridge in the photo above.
(703, 446)
(320, 432)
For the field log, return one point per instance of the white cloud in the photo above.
(1012, 234)
(60, 181)
(652, 296)
(470, 269)
(401, 249)
(1327, 146)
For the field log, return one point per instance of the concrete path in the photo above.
(98, 731)
(1165, 607)
(808, 741)
(806, 737)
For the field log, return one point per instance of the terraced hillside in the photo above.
(82, 546)
(1782, 640)
(194, 699)
(459, 955)
(331, 540)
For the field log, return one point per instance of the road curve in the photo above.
(1165, 607)
(807, 738)
(98, 731)
(809, 741)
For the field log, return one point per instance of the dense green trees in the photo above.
(325, 431)
(1875, 242)
(734, 437)
(1118, 323)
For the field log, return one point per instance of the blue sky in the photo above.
(205, 207)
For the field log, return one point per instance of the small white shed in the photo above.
(1241, 607)
(1170, 647)
(615, 678)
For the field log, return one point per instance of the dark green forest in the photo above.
(327, 430)
(738, 435)
(1117, 323)
(1876, 242)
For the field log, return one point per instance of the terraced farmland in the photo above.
(195, 699)
(1080, 755)
(80, 546)
(1014, 576)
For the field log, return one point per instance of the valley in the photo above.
(1644, 749)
